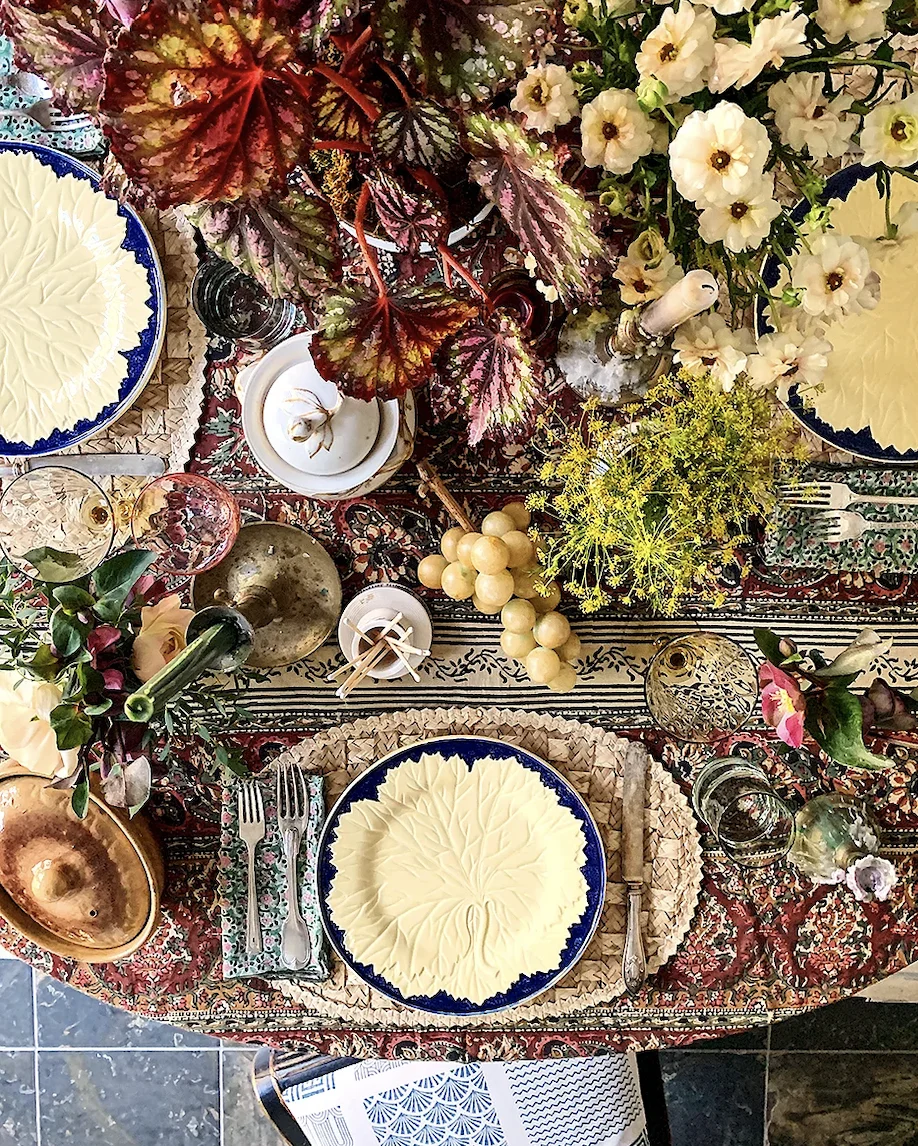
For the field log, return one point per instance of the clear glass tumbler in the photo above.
(752, 823)
(234, 305)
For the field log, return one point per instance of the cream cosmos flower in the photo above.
(707, 344)
(717, 154)
(794, 356)
(679, 49)
(546, 98)
(835, 278)
(807, 118)
(161, 637)
(25, 727)
(890, 133)
(860, 20)
(614, 131)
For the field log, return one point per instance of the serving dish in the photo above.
(469, 749)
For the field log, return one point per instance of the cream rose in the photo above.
(25, 726)
(161, 636)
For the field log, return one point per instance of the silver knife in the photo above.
(634, 963)
(95, 465)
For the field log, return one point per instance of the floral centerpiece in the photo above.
(74, 653)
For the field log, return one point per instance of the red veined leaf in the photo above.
(491, 366)
(314, 20)
(374, 345)
(423, 134)
(409, 218)
(204, 100)
(125, 11)
(551, 219)
(336, 116)
(463, 50)
(289, 245)
(64, 42)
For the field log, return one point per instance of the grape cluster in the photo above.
(498, 568)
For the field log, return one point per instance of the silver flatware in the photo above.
(847, 525)
(292, 819)
(634, 962)
(95, 465)
(252, 832)
(832, 495)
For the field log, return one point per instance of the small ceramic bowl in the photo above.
(371, 609)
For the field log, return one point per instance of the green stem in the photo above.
(203, 654)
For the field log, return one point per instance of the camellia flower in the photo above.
(679, 49)
(546, 98)
(743, 223)
(859, 20)
(614, 131)
(707, 345)
(806, 118)
(871, 878)
(890, 133)
(789, 357)
(26, 734)
(642, 282)
(161, 637)
(836, 279)
(783, 704)
(716, 154)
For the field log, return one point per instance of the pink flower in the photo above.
(783, 704)
(161, 637)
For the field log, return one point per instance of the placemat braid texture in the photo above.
(592, 761)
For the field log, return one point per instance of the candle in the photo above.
(691, 295)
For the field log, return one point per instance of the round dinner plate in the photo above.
(140, 361)
(470, 748)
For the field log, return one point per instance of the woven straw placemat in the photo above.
(592, 761)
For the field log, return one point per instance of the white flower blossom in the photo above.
(707, 345)
(735, 65)
(729, 7)
(870, 878)
(614, 131)
(906, 220)
(859, 20)
(642, 282)
(546, 98)
(744, 222)
(795, 356)
(781, 37)
(717, 154)
(806, 118)
(890, 133)
(835, 278)
(679, 50)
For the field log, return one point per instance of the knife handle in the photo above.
(634, 963)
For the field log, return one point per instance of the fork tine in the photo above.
(301, 791)
(240, 803)
(259, 802)
(280, 793)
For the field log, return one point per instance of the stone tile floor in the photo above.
(74, 1072)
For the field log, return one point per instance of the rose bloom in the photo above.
(890, 133)
(546, 98)
(679, 50)
(707, 344)
(783, 704)
(859, 20)
(615, 131)
(836, 279)
(806, 118)
(716, 154)
(744, 223)
(26, 734)
(161, 637)
(789, 357)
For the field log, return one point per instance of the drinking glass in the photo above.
(233, 305)
(701, 687)
(56, 525)
(187, 520)
(752, 823)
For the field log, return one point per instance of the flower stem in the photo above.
(355, 48)
(450, 261)
(361, 235)
(391, 73)
(340, 145)
(369, 109)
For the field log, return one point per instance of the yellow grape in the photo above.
(564, 681)
(496, 524)
(518, 513)
(430, 570)
(546, 604)
(518, 616)
(524, 584)
(519, 547)
(551, 630)
(458, 581)
(570, 650)
(484, 606)
(517, 645)
(494, 588)
(543, 665)
(490, 555)
(449, 544)
(464, 548)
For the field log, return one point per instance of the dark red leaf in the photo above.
(420, 135)
(383, 345)
(409, 218)
(204, 100)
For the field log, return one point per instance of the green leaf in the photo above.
(98, 709)
(66, 633)
(834, 720)
(72, 728)
(54, 564)
(79, 801)
(422, 134)
(115, 578)
(73, 599)
(769, 645)
(44, 663)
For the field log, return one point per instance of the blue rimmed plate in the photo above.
(859, 442)
(470, 749)
(140, 361)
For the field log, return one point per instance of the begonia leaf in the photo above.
(382, 345)
(289, 245)
(314, 20)
(463, 50)
(490, 365)
(337, 116)
(551, 219)
(205, 100)
(423, 134)
(64, 42)
(409, 218)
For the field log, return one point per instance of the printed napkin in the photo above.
(790, 538)
(270, 875)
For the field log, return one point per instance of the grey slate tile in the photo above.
(853, 1024)
(16, 1028)
(244, 1121)
(17, 1099)
(714, 1099)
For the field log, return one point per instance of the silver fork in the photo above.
(292, 818)
(832, 495)
(252, 832)
(846, 525)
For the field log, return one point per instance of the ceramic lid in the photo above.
(314, 427)
(81, 880)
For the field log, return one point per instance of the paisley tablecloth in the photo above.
(764, 944)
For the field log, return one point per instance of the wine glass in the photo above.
(56, 524)
(189, 521)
